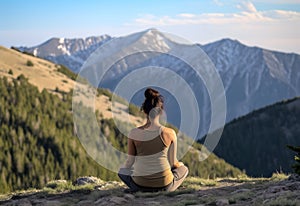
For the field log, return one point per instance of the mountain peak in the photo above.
(168, 39)
(153, 38)
(226, 42)
(229, 40)
(151, 32)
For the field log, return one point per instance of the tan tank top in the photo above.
(151, 166)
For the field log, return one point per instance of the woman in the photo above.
(152, 164)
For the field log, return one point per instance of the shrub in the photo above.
(10, 72)
(29, 63)
(134, 110)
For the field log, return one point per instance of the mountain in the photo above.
(38, 141)
(69, 52)
(257, 142)
(252, 77)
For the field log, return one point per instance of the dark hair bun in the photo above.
(151, 93)
(153, 100)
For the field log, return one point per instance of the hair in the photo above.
(153, 104)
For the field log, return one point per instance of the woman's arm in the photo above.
(172, 153)
(131, 153)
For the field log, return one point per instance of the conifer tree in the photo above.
(296, 166)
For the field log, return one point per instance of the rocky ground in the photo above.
(277, 190)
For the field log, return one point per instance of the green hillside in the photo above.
(38, 144)
(257, 142)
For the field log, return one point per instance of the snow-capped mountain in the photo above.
(253, 77)
(69, 52)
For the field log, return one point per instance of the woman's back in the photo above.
(151, 167)
(152, 149)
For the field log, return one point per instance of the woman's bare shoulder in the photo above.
(135, 131)
(168, 131)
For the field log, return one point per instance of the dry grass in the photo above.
(44, 75)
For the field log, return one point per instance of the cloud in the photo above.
(273, 29)
(218, 2)
(247, 14)
(278, 1)
(282, 15)
(186, 15)
(247, 6)
(218, 18)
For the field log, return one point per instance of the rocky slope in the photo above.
(278, 190)
(69, 52)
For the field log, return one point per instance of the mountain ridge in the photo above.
(72, 52)
(253, 77)
(257, 142)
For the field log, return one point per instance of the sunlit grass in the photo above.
(19, 192)
(196, 183)
(64, 187)
(279, 176)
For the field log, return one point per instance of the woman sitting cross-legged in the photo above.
(152, 164)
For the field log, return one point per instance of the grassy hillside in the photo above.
(257, 142)
(37, 138)
(38, 143)
(55, 79)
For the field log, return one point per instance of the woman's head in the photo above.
(153, 104)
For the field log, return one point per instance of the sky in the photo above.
(271, 24)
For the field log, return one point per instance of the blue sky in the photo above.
(273, 24)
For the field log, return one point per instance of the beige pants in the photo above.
(179, 174)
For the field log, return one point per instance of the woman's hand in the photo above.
(178, 164)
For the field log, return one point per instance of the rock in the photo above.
(118, 200)
(186, 196)
(129, 196)
(293, 186)
(276, 189)
(267, 195)
(88, 180)
(24, 202)
(240, 191)
(38, 202)
(52, 203)
(221, 202)
(294, 177)
(152, 203)
(85, 203)
(102, 201)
